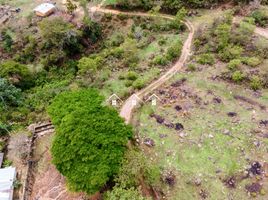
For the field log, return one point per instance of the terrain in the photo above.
(207, 135)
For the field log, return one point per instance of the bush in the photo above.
(138, 84)
(18, 74)
(191, 67)
(256, 83)
(123, 194)
(206, 58)
(132, 75)
(252, 61)
(90, 139)
(260, 17)
(174, 51)
(160, 60)
(9, 94)
(243, 34)
(231, 52)
(7, 41)
(238, 76)
(234, 64)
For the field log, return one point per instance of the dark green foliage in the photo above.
(160, 60)
(132, 76)
(7, 41)
(174, 51)
(90, 139)
(260, 17)
(231, 52)
(9, 94)
(56, 33)
(91, 30)
(18, 74)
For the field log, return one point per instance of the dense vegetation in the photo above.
(235, 45)
(90, 141)
(174, 5)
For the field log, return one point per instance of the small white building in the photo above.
(44, 9)
(7, 178)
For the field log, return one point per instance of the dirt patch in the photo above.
(50, 185)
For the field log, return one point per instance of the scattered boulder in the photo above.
(217, 100)
(169, 178)
(149, 142)
(255, 168)
(230, 182)
(158, 118)
(203, 194)
(179, 126)
(197, 181)
(168, 124)
(264, 122)
(178, 108)
(232, 114)
(254, 188)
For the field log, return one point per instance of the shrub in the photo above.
(123, 194)
(128, 83)
(243, 34)
(255, 83)
(4, 130)
(234, 64)
(7, 41)
(117, 52)
(160, 60)
(252, 61)
(116, 40)
(7, 163)
(260, 17)
(138, 84)
(132, 75)
(174, 51)
(18, 74)
(223, 35)
(238, 76)
(231, 52)
(9, 94)
(206, 58)
(191, 67)
(90, 139)
(89, 66)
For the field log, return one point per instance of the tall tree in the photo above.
(90, 139)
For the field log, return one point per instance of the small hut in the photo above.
(44, 9)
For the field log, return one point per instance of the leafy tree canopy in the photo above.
(90, 141)
(9, 94)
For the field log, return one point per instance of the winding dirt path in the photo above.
(128, 107)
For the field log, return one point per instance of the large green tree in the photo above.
(90, 139)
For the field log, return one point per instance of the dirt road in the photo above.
(128, 107)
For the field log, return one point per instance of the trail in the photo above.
(128, 107)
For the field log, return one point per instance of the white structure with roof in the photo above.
(44, 9)
(7, 178)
